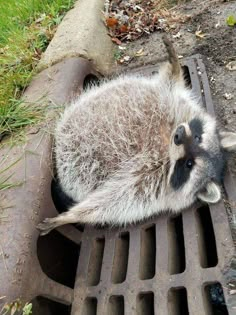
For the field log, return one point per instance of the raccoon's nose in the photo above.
(179, 135)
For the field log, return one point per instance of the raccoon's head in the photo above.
(197, 161)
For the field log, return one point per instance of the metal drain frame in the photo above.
(98, 292)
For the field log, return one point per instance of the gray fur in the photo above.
(115, 152)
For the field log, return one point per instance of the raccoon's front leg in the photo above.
(116, 202)
(93, 210)
(74, 215)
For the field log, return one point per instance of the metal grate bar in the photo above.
(190, 240)
(134, 254)
(161, 246)
(108, 257)
(195, 301)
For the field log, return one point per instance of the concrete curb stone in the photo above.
(82, 33)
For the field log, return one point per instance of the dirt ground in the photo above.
(217, 47)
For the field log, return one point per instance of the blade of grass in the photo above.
(26, 28)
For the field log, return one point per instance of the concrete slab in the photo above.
(82, 33)
(22, 207)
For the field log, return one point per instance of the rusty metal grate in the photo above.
(162, 267)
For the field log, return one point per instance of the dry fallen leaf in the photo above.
(116, 40)
(129, 20)
(122, 47)
(200, 34)
(228, 96)
(126, 58)
(123, 28)
(139, 53)
(111, 22)
(231, 65)
(178, 35)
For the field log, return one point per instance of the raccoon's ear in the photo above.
(228, 140)
(211, 194)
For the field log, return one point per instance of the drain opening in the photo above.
(176, 249)
(90, 306)
(58, 257)
(177, 302)
(187, 77)
(44, 306)
(145, 304)
(147, 253)
(62, 201)
(214, 299)
(116, 305)
(120, 261)
(95, 262)
(206, 238)
(90, 80)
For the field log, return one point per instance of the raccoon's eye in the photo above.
(189, 163)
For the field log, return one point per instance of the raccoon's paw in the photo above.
(46, 226)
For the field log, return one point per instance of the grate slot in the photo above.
(116, 305)
(61, 201)
(45, 306)
(95, 261)
(187, 77)
(58, 257)
(90, 81)
(147, 253)
(214, 299)
(120, 261)
(145, 304)
(176, 249)
(206, 238)
(177, 302)
(90, 306)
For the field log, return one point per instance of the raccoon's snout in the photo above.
(180, 135)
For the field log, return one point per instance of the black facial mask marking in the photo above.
(214, 163)
(181, 172)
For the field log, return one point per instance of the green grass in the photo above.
(4, 179)
(16, 307)
(26, 28)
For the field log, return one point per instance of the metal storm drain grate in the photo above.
(168, 266)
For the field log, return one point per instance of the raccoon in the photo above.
(137, 146)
